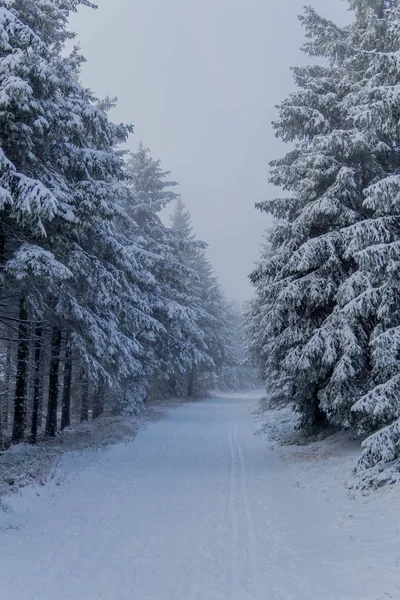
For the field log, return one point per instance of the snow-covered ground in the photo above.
(197, 507)
(25, 463)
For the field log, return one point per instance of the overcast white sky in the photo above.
(199, 79)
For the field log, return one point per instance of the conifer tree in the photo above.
(213, 310)
(301, 327)
(335, 348)
(179, 345)
(303, 265)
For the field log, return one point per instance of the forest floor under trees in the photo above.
(197, 507)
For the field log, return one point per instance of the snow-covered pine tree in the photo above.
(63, 188)
(236, 374)
(307, 259)
(338, 350)
(375, 310)
(297, 280)
(29, 182)
(211, 306)
(352, 355)
(179, 344)
(363, 388)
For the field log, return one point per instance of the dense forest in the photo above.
(324, 327)
(104, 307)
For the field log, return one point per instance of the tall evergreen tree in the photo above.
(363, 388)
(375, 109)
(212, 308)
(180, 343)
(302, 328)
(324, 324)
(303, 264)
(60, 224)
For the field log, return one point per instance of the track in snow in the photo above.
(242, 512)
(195, 508)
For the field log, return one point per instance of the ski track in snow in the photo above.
(249, 542)
(234, 526)
(197, 508)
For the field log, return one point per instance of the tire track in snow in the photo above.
(258, 587)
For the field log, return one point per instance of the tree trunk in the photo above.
(7, 386)
(41, 393)
(66, 396)
(191, 384)
(319, 418)
(2, 247)
(21, 376)
(84, 397)
(98, 402)
(37, 380)
(29, 386)
(7, 366)
(4, 399)
(52, 404)
(1, 431)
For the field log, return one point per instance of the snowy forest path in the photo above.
(197, 507)
(242, 513)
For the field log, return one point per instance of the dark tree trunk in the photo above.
(37, 380)
(29, 385)
(66, 396)
(41, 392)
(191, 385)
(4, 398)
(1, 431)
(2, 247)
(7, 382)
(173, 387)
(98, 402)
(52, 404)
(22, 375)
(84, 397)
(319, 418)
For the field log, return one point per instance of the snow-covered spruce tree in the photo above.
(64, 255)
(350, 329)
(214, 325)
(28, 85)
(353, 354)
(212, 310)
(307, 259)
(363, 389)
(338, 349)
(104, 304)
(179, 345)
(236, 374)
(375, 107)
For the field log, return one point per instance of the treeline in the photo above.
(102, 306)
(324, 327)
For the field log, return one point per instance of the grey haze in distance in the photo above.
(199, 79)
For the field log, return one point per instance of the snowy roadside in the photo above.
(364, 512)
(308, 458)
(40, 464)
(338, 450)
